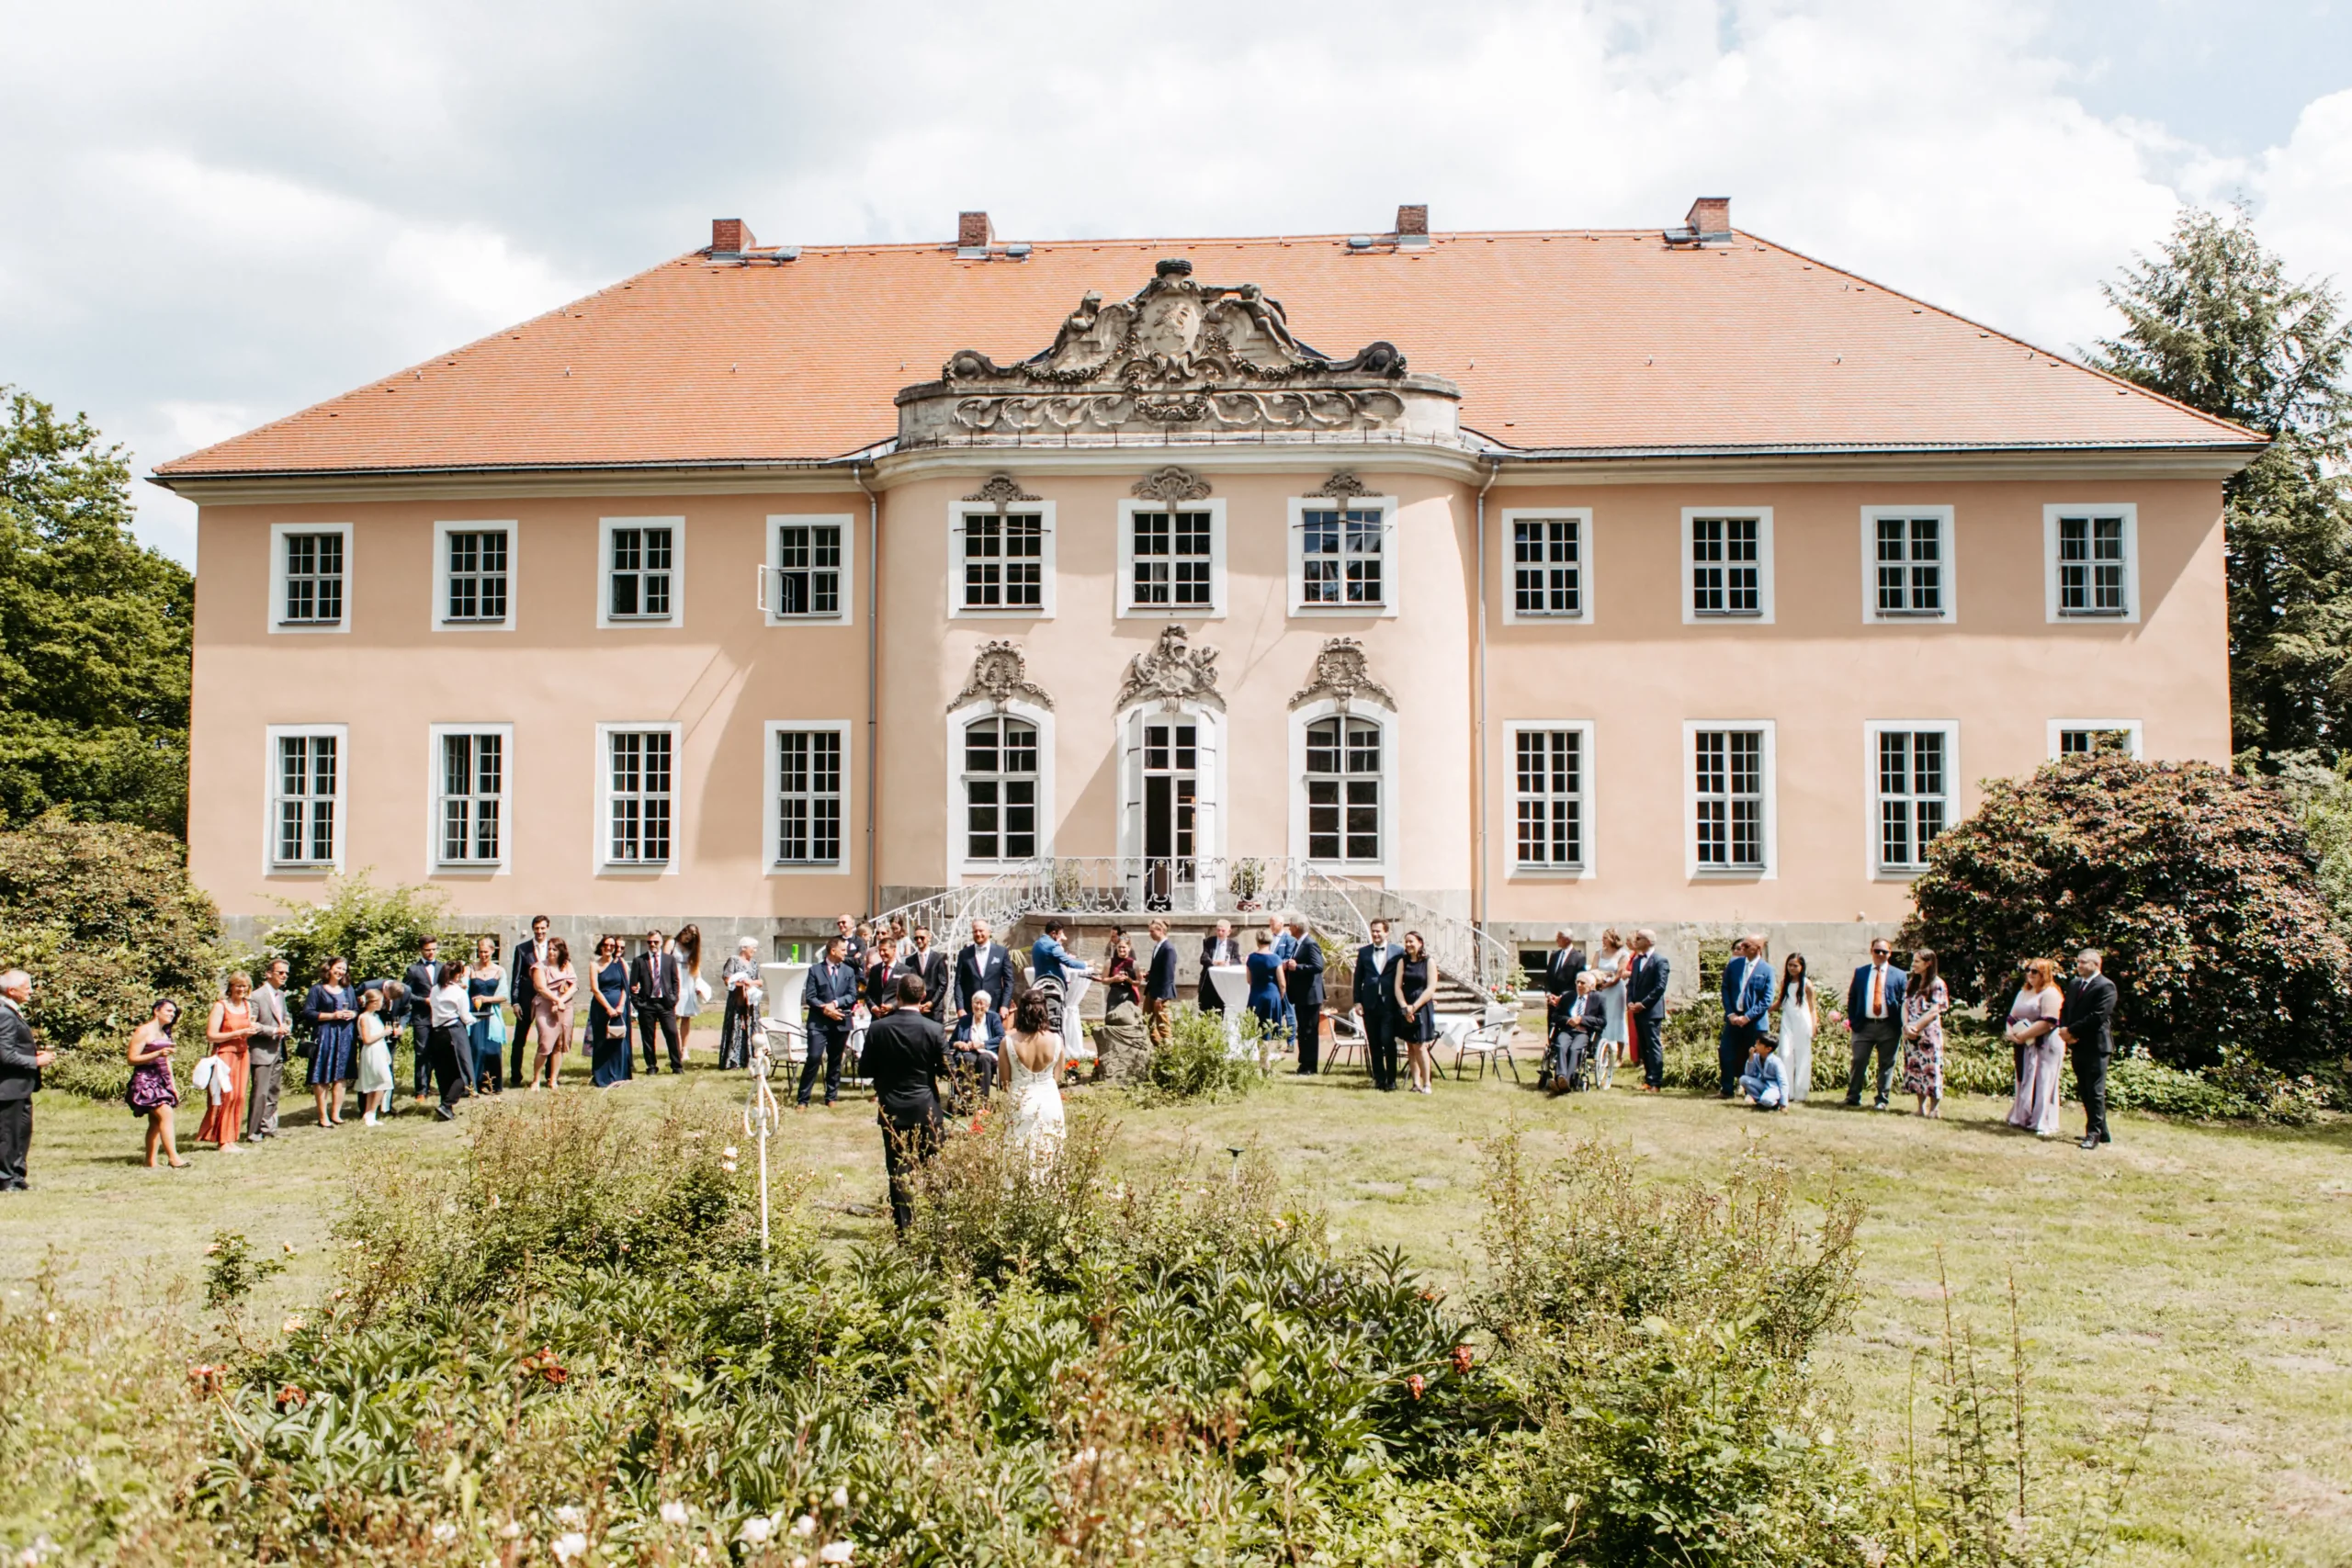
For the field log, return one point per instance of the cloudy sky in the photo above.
(219, 213)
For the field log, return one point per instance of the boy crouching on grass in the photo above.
(1763, 1082)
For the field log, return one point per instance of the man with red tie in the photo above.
(1874, 1008)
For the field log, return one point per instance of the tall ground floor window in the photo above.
(809, 796)
(1727, 790)
(639, 797)
(1000, 789)
(1548, 799)
(473, 792)
(1343, 779)
(307, 794)
(1913, 792)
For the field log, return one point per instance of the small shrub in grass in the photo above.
(1193, 1063)
(378, 928)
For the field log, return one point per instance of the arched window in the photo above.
(1000, 789)
(1343, 791)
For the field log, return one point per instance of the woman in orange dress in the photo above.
(228, 1029)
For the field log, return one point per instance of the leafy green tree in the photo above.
(2213, 321)
(94, 634)
(2198, 885)
(377, 929)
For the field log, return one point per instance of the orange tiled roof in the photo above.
(1568, 341)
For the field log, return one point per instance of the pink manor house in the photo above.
(1506, 582)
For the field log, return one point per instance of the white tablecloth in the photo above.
(1232, 983)
(782, 982)
(1076, 1045)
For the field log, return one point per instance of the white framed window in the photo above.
(636, 796)
(2094, 562)
(808, 569)
(1000, 559)
(1915, 785)
(1172, 559)
(309, 577)
(1341, 559)
(643, 579)
(1727, 563)
(1001, 794)
(1727, 788)
(2075, 737)
(1550, 555)
(807, 786)
(1550, 797)
(473, 576)
(1907, 564)
(473, 783)
(1344, 805)
(308, 764)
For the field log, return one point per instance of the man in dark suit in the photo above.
(1217, 949)
(419, 980)
(906, 1055)
(828, 996)
(1303, 985)
(984, 966)
(1875, 1008)
(21, 1060)
(1375, 1009)
(1645, 980)
(1158, 982)
(653, 981)
(931, 963)
(853, 944)
(1560, 972)
(1747, 996)
(524, 992)
(2087, 1027)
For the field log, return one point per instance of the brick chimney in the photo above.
(1710, 218)
(1413, 225)
(730, 237)
(973, 233)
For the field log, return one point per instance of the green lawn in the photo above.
(2202, 1268)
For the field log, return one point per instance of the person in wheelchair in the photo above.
(972, 1050)
(1575, 1038)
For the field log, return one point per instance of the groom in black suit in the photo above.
(2086, 1026)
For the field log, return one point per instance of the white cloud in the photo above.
(259, 205)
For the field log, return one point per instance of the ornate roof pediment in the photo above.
(1181, 356)
(1000, 673)
(1171, 670)
(1341, 675)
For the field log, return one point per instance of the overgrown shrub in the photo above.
(1193, 1063)
(378, 928)
(104, 918)
(2199, 887)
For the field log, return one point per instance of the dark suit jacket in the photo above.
(640, 981)
(1159, 980)
(19, 1079)
(977, 971)
(1367, 989)
(420, 979)
(1858, 996)
(828, 982)
(1584, 1015)
(1560, 972)
(2088, 1015)
(932, 967)
(1647, 989)
(905, 1057)
(1209, 997)
(1304, 985)
(522, 991)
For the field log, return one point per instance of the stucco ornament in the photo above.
(999, 674)
(1171, 485)
(1341, 486)
(1002, 489)
(1182, 357)
(1172, 671)
(1341, 676)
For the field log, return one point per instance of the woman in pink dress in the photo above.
(2033, 1031)
(551, 1010)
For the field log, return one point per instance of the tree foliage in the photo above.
(104, 916)
(2197, 883)
(94, 634)
(2213, 321)
(377, 928)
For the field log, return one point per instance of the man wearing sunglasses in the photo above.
(1874, 1008)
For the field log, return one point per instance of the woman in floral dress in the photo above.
(1924, 1001)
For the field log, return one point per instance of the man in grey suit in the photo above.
(21, 1060)
(266, 1052)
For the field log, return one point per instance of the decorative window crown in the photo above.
(1000, 673)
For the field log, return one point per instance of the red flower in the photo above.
(1416, 1384)
(1462, 1358)
(291, 1398)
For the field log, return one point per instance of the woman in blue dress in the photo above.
(1266, 987)
(485, 980)
(608, 1016)
(329, 1009)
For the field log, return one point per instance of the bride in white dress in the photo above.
(1798, 1017)
(1030, 1068)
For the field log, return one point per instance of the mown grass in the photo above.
(2201, 1271)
